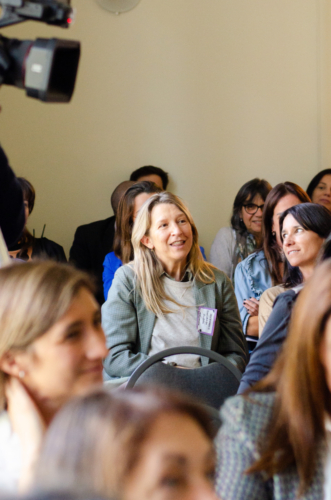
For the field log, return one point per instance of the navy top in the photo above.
(269, 344)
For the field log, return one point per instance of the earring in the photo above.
(21, 374)
(274, 234)
(240, 220)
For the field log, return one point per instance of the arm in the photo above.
(79, 253)
(232, 343)
(110, 266)
(243, 291)
(268, 346)
(235, 454)
(222, 249)
(119, 321)
(12, 218)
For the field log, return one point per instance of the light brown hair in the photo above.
(95, 440)
(33, 297)
(302, 394)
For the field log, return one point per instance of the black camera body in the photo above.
(46, 68)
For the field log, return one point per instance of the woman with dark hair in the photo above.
(233, 244)
(143, 444)
(303, 230)
(275, 442)
(29, 247)
(265, 268)
(319, 189)
(128, 208)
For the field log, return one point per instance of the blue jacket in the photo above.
(251, 279)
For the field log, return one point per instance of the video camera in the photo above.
(46, 68)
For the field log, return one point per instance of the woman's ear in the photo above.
(8, 364)
(145, 240)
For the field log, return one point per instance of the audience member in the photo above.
(152, 304)
(127, 212)
(11, 202)
(51, 348)
(319, 189)
(265, 268)
(303, 230)
(233, 244)
(28, 247)
(93, 241)
(275, 442)
(134, 445)
(152, 174)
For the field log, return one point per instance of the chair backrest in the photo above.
(211, 384)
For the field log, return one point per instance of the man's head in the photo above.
(118, 193)
(152, 174)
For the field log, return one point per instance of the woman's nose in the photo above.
(96, 344)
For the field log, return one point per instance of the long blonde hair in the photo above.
(33, 297)
(148, 268)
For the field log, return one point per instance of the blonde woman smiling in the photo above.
(159, 299)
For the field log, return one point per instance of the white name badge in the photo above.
(206, 320)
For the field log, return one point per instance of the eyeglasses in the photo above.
(251, 208)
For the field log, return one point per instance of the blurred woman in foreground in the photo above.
(135, 445)
(275, 442)
(51, 348)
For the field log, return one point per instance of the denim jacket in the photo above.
(251, 279)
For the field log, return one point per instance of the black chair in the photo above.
(211, 384)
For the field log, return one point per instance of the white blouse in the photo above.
(10, 456)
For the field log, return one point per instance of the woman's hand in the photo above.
(252, 306)
(28, 424)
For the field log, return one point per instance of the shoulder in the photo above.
(95, 226)
(48, 244)
(225, 233)
(124, 275)
(286, 298)
(112, 260)
(269, 295)
(248, 416)
(255, 259)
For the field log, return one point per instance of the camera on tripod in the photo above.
(45, 68)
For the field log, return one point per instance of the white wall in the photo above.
(215, 92)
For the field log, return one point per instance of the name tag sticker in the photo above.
(206, 320)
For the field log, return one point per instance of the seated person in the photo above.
(152, 174)
(127, 212)
(144, 444)
(303, 230)
(29, 247)
(274, 442)
(233, 244)
(319, 189)
(161, 299)
(264, 269)
(51, 349)
(12, 217)
(93, 241)
(128, 208)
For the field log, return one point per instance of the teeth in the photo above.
(177, 243)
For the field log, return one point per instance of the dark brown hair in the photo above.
(124, 219)
(29, 195)
(270, 246)
(95, 441)
(302, 394)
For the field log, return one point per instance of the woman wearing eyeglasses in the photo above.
(265, 268)
(233, 244)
